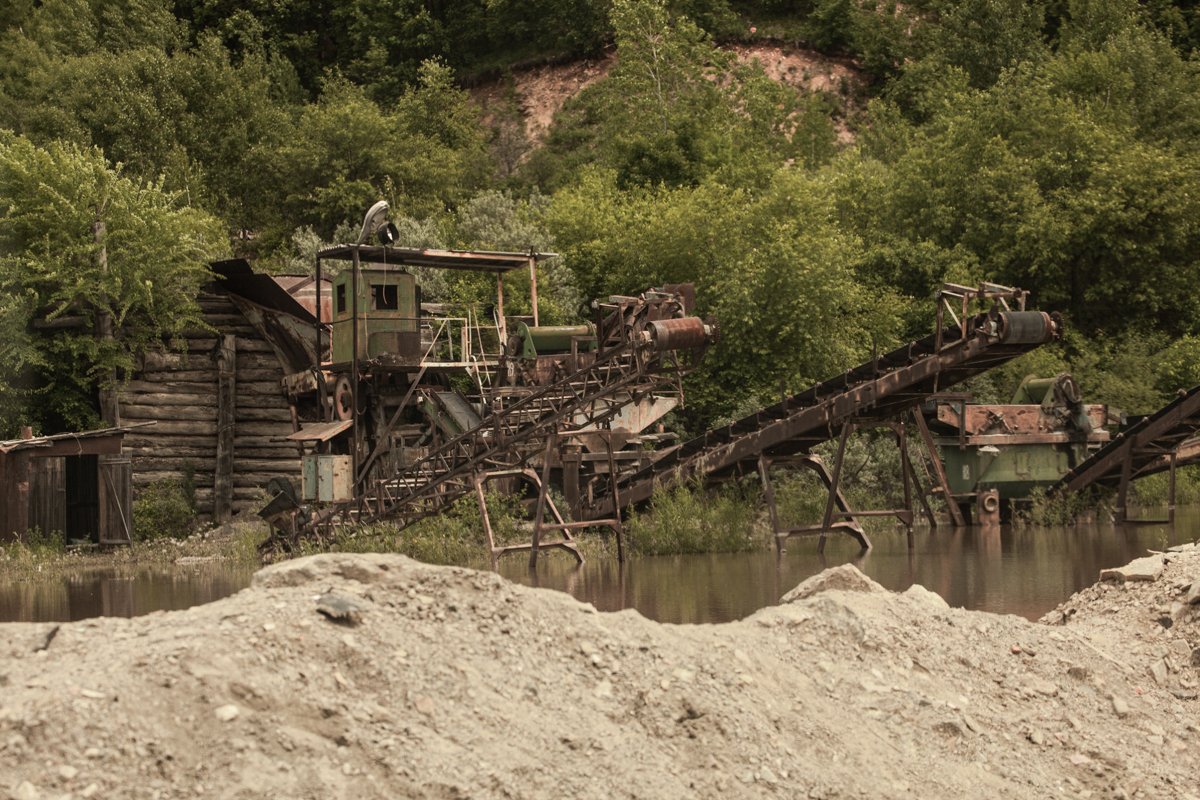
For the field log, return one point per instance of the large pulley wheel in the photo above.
(343, 398)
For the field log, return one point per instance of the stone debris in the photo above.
(845, 578)
(227, 713)
(1149, 568)
(463, 685)
(338, 608)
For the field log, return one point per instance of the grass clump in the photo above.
(690, 520)
(455, 536)
(30, 553)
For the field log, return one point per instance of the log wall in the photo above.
(180, 392)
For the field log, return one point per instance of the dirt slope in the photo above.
(538, 93)
(449, 683)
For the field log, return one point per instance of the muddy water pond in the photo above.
(1006, 570)
(122, 592)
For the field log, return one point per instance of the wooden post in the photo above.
(1171, 488)
(543, 487)
(571, 458)
(1123, 490)
(500, 324)
(320, 353)
(356, 432)
(477, 480)
(226, 423)
(835, 485)
(614, 484)
(764, 476)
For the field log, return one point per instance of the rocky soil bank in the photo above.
(357, 676)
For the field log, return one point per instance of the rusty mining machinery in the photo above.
(885, 391)
(1159, 442)
(413, 409)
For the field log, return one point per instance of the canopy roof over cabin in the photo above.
(463, 260)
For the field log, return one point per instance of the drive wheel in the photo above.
(343, 398)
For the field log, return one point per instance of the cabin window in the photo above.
(341, 299)
(384, 297)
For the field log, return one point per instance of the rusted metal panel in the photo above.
(105, 440)
(1010, 419)
(463, 260)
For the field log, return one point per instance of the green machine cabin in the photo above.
(387, 325)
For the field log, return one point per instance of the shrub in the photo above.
(164, 509)
(690, 520)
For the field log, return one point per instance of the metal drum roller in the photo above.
(678, 334)
(1027, 327)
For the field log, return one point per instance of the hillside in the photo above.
(539, 93)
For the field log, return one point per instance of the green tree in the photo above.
(775, 269)
(345, 152)
(80, 240)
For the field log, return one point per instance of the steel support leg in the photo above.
(835, 485)
(939, 471)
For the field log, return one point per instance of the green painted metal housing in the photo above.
(547, 339)
(1014, 448)
(1013, 470)
(388, 310)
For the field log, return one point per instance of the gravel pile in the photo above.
(363, 676)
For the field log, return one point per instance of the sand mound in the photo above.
(375, 676)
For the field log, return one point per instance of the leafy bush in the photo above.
(1050, 510)
(164, 509)
(688, 520)
(455, 536)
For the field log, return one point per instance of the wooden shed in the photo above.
(75, 483)
(221, 414)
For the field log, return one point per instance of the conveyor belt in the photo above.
(1145, 446)
(878, 390)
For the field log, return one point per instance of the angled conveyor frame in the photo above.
(1156, 443)
(880, 391)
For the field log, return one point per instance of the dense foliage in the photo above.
(1051, 144)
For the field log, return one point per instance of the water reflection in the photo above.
(118, 593)
(1005, 570)
(1011, 571)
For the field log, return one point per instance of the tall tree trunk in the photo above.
(110, 409)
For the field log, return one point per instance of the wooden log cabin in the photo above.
(219, 411)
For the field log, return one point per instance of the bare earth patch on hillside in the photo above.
(375, 676)
(539, 93)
